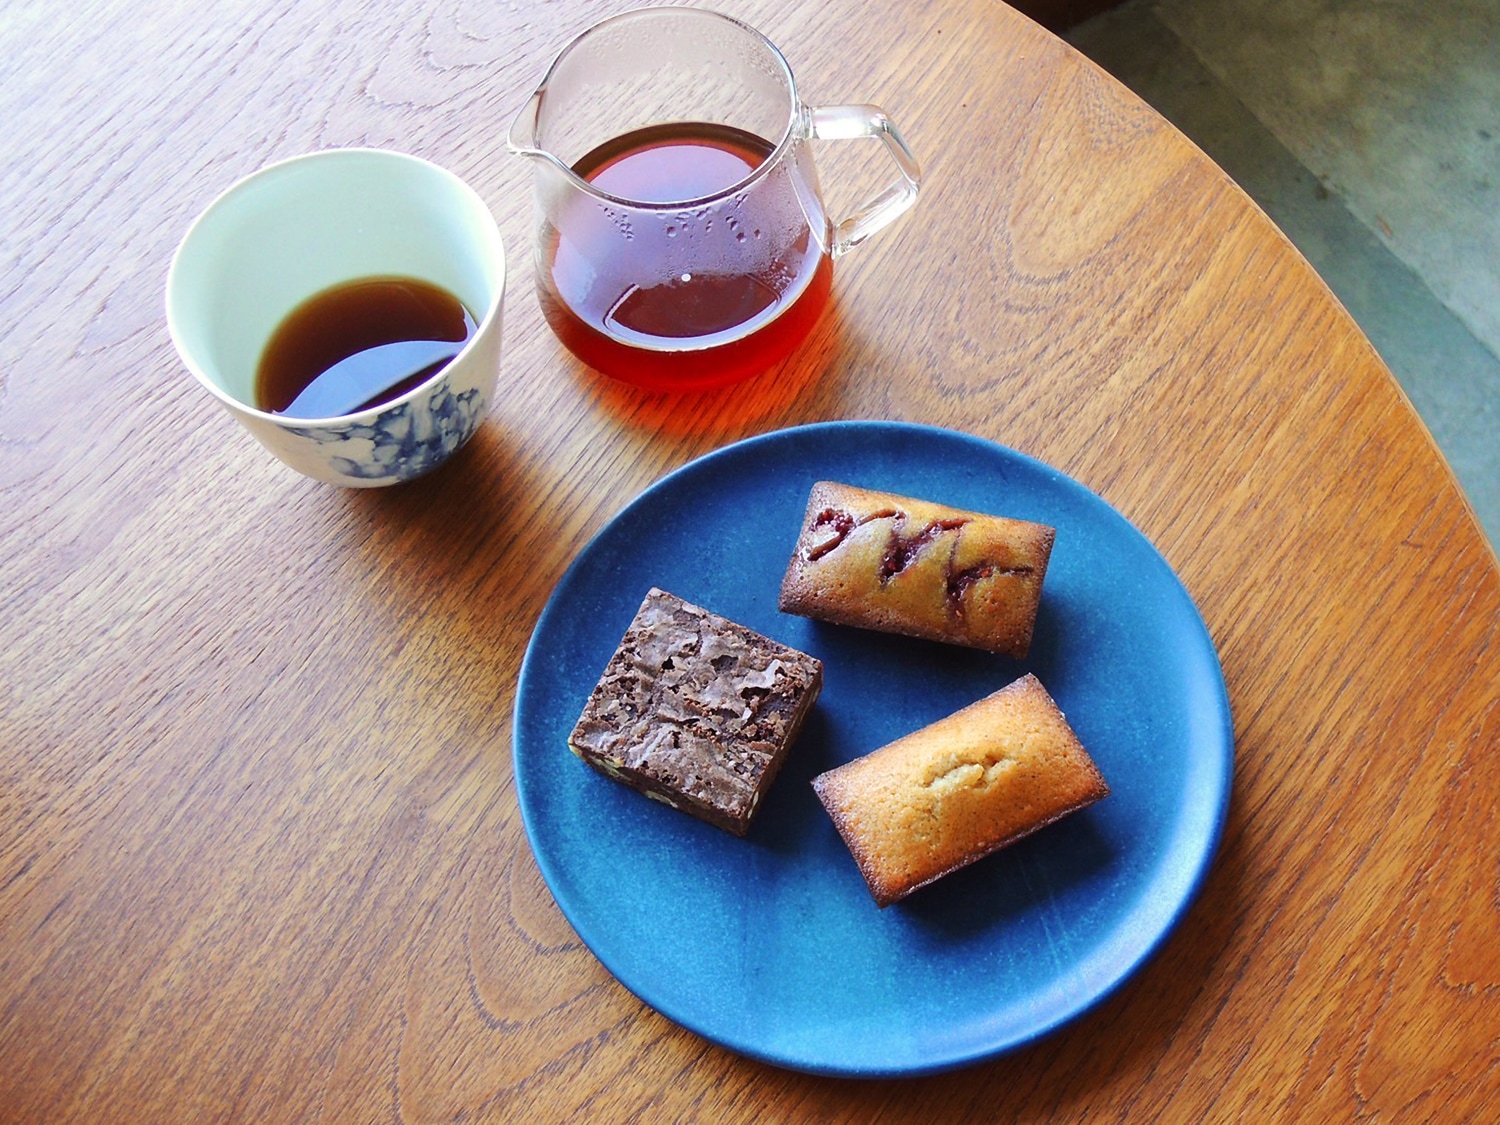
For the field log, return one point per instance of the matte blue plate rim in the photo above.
(1217, 765)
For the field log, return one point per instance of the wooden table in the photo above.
(260, 854)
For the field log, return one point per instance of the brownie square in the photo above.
(697, 711)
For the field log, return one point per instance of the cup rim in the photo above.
(533, 105)
(332, 421)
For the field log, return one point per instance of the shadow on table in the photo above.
(463, 543)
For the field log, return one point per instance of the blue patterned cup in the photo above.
(303, 226)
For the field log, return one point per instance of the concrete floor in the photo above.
(1369, 131)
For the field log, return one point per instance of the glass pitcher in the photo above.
(681, 238)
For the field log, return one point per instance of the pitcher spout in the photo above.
(522, 139)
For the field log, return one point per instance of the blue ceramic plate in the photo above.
(771, 945)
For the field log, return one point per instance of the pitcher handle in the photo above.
(852, 122)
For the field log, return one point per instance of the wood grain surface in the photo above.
(260, 854)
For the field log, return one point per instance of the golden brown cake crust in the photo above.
(959, 789)
(877, 560)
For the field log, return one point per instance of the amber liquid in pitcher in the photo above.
(616, 291)
(359, 345)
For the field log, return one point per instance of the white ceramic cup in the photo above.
(296, 228)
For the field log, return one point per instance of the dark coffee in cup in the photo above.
(358, 345)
